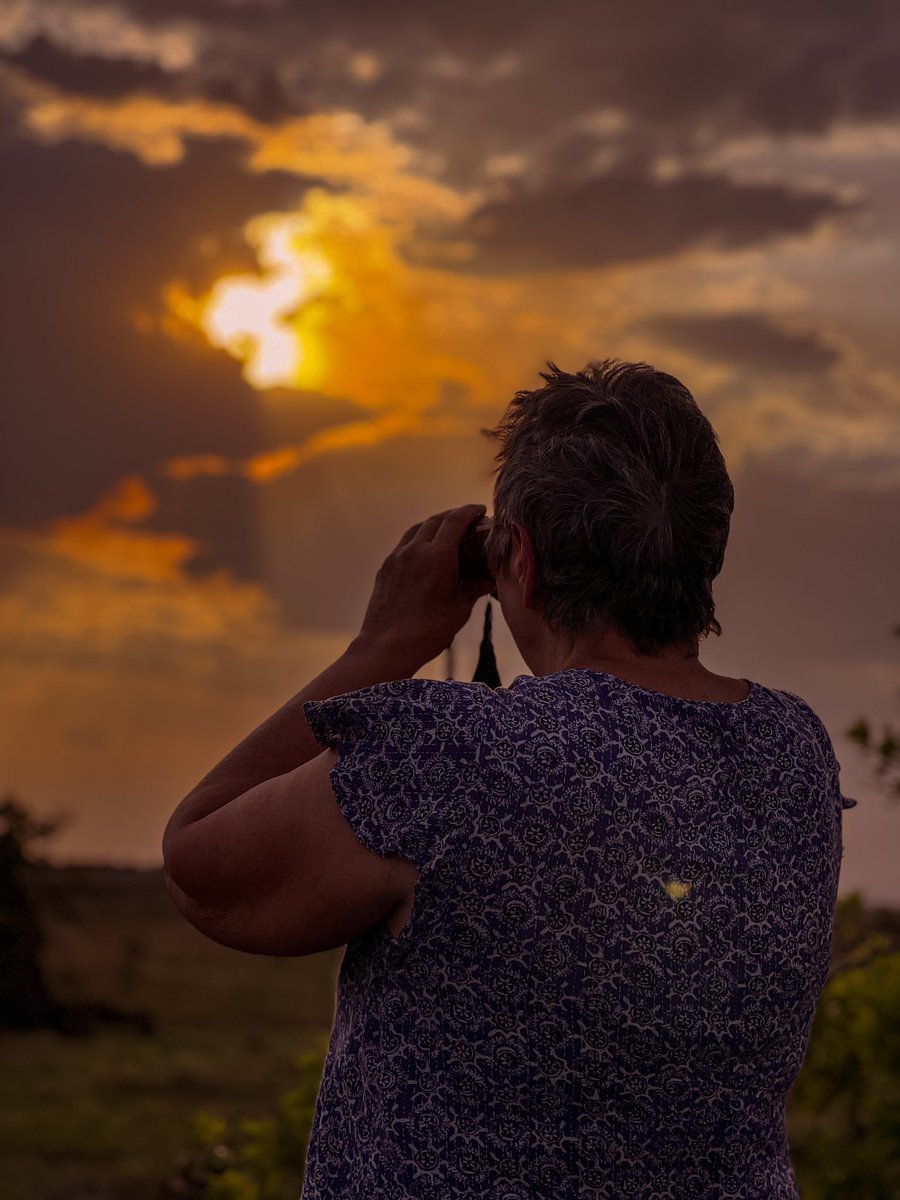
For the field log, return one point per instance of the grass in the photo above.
(105, 1117)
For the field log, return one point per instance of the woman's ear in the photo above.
(523, 562)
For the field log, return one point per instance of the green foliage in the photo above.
(883, 751)
(843, 1112)
(256, 1159)
(845, 1106)
(860, 934)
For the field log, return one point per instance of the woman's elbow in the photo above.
(177, 867)
(173, 858)
(183, 864)
(200, 883)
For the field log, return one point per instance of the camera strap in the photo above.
(486, 670)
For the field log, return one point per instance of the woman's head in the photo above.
(617, 477)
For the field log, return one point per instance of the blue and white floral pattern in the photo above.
(619, 935)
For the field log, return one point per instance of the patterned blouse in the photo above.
(618, 938)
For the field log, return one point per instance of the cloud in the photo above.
(337, 146)
(421, 348)
(100, 31)
(617, 218)
(116, 396)
(103, 538)
(484, 84)
(87, 591)
(746, 339)
(845, 423)
(46, 63)
(270, 464)
(844, 141)
(488, 81)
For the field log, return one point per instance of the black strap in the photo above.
(486, 671)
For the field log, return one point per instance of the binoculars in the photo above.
(472, 560)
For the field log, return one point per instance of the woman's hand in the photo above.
(418, 604)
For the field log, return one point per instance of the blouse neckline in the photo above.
(617, 681)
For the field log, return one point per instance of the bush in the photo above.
(843, 1112)
(845, 1106)
(259, 1159)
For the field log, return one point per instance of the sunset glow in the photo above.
(252, 317)
(323, 255)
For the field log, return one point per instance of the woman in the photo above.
(587, 916)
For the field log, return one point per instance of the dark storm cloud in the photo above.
(621, 218)
(491, 78)
(766, 65)
(92, 399)
(745, 339)
(91, 236)
(257, 92)
(87, 74)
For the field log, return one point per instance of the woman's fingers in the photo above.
(423, 531)
(410, 534)
(455, 523)
(443, 527)
(428, 527)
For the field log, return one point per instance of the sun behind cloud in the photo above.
(334, 308)
(258, 319)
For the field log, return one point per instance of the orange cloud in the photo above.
(416, 345)
(73, 603)
(95, 584)
(340, 146)
(102, 538)
(271, 464)
(397, 338)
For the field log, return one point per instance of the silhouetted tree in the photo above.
(25, 1001)
(884, 752)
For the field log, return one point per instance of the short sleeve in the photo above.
(408, 762)
(834, 765)
(822, 736)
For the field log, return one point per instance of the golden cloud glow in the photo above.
(103, 538)
(151, 129)
(335, 309)
(396, 337)
(339, 307)
(339, 146)
(80, 605)
(249, 316)
(94, 585)
(270, 464)
(436, 352)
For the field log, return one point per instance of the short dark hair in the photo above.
(618, 478)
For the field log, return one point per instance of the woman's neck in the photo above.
(613, 652)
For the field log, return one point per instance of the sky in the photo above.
(269, 269)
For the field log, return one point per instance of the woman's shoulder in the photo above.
(795, 705)
(402, 714)
(419, 691)
(440, 693)
(421, 701)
